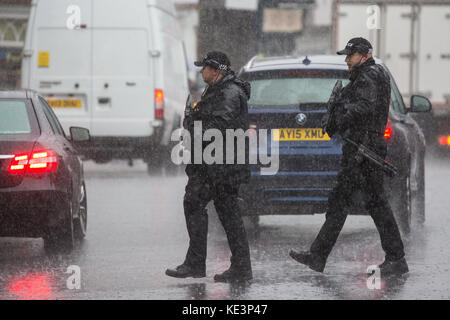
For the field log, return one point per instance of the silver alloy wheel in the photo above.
(408, 194)
(408, 199)
(82, 213)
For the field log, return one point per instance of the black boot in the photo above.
(231, 275)
(396, 267)
(306, 258)
(184, 271)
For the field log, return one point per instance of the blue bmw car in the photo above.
(288, 98)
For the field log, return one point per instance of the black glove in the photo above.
(345, 133)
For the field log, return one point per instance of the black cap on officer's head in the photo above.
(216, 60)
(360, 45)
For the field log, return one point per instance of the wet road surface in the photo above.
(136, 230)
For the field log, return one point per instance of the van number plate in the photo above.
(64, 103)
(299, 134)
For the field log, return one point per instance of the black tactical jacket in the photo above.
(365, 107)
(223, 105)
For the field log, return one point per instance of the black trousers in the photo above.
(199, 191)
(369, 179)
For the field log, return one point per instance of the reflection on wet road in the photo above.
(136, 230)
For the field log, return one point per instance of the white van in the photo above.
(116, 67)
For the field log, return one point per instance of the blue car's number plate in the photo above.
(299, 134)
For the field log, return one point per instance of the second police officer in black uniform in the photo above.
(365, 107)
(223, 105)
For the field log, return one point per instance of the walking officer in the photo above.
(223, 105)
(363, 117)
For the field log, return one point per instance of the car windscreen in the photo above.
(292, 87)
(16, 118)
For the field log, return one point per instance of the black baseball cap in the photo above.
(360, 45)
(216, 60)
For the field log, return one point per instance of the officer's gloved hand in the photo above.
(189, 107)
(345, 133)
(188, 110)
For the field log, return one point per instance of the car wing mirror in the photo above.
(419, 104)
(78, 134)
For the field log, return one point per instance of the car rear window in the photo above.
(16, 118)
(292, 87)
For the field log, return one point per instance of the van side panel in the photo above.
(164, 5)
(171, 67)
(99, 63)
(61, 62)
(68, 73)
(122, 75)
(28, 49)
(122, 83)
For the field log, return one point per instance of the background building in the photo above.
(411, 37)
(13, 23)
(243, 28)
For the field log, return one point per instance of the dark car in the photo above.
(288, 97)
(42, 189)
(438, 134)
(442, 135)
(436, 128)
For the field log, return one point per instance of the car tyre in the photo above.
(405, 205)
(62, 240)
(418, 200)
(102, 159)
(80, 223)
(154, 168)
(170, 168)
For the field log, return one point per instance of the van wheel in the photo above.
(80, 223)
(154, 169)
(61, 240)
(102, 160)
(170, 168)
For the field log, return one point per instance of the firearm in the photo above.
(373, 157)
(330, 122)
(189, 105)
(331, 127)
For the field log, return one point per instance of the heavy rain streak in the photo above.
(126, 130)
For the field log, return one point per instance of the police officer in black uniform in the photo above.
(362, 117)
(223, 105)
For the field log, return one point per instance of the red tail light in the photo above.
(388, 132)
(18, 164)
(253, 127)
(43, 161)
(159, 104)
(37, 162)
(444, 141)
